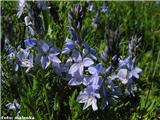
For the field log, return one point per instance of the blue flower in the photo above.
(104, 54)
(126, 75)
(62, 69)
(123, 75)
(69, 45)
(134, 73)
(30, 42)
(47, 54)
(21, 7)
(28, 24)
(79, 63)
(76, 79)
(13, 106)
(90, 7)
(53, 57)
(25, 58)
(110, 93)
(11, 53)
(104, 8)
(97, 70)
(88, 97)
(95, 78)
(127, 62)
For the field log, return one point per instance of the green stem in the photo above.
(46, 97)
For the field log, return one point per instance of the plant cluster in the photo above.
(102, 78)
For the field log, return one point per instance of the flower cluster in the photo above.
(101, 77)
